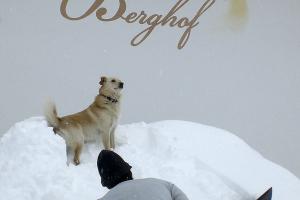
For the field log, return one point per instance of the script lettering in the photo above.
(153, 21)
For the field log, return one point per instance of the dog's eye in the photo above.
(113, 80)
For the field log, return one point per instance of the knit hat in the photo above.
(112, 169)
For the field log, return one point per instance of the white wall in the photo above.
(244, 79)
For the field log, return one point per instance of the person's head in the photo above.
(112, 169)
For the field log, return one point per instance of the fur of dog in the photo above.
(96, 122)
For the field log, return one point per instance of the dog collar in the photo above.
(110, 99)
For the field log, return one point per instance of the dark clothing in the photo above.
(112, 169)
(267, 195)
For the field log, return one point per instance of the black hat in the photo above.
(112, 169)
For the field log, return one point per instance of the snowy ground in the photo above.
(207, 163)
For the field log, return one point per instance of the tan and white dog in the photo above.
(96, 122)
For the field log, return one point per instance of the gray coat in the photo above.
(145, 189)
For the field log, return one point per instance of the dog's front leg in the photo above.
(112, 137)
(106, 139)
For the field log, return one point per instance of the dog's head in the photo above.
(111, 83)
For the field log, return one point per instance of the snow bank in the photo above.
(207, 163)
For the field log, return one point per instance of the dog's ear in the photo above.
(103, 79)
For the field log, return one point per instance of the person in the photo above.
(116, 175)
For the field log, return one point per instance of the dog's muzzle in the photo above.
(121, 85)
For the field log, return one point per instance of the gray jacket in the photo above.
(145, 189)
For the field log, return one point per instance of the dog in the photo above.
(96, 122)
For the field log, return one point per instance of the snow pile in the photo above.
(207, 163)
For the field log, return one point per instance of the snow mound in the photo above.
(207, 163)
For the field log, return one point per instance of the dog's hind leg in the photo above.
(77, 143)
(77, 152)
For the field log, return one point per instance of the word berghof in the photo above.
(143, 18)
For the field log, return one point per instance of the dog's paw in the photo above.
(76, 162)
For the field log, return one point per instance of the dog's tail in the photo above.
(51, 114)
